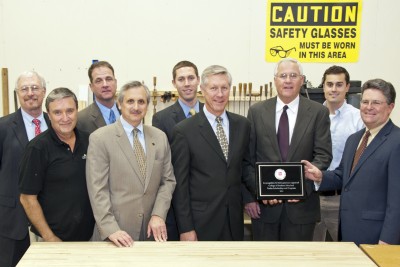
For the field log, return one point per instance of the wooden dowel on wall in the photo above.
(4, 86)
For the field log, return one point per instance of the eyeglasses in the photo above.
(25, 89)
(373, 103)
(280, 51)
(292, 76)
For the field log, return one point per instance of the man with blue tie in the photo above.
(368, 173)
(185, 78)
(103, 111)
(16, 130)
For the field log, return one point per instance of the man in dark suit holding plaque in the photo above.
(287, 128)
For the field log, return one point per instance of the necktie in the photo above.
(37, 126)
(139, 153)
(283, 134)
(192, 112)
(360, 150)
(222, 137)
(111, 119)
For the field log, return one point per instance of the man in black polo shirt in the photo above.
(52, 175)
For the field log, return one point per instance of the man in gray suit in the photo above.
(129, 174)
(103, 111)
(185, 78)
(16, 130)
(308, 137)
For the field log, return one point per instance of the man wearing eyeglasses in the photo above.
(307, 136)
(368, 174)
(16, 130)
(103, 111)
(345, 120)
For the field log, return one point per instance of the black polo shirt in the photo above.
(57, 176)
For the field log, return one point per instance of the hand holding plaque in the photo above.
(280, 180)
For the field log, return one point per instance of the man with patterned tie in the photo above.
(16, 130)
(287, 128)
(130, 177)
(185, 79)
(103, 111)
(368, 173)
(210, 157)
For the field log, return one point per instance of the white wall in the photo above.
(142, 39)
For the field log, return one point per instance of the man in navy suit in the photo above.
(16, 130)
(210, 156)
(185, 78)
(369, 172)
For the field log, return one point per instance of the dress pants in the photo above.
(329, 218)
(11, 251)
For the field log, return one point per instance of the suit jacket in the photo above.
(370, 200)
(13, 140)
(166, 119)
(208, 186)
(90, 119)
(311, 140)
(119, 199)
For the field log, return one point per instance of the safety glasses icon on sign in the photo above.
(282, 53)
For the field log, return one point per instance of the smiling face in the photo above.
(374, 108)
(288, 86)
(31, 94)
(186, 82)
(63, 115)
(103, 85)
(216, 93)
(335, 89)
(134, 105)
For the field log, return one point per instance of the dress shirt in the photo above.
(346, 121)
(186, 108)
(292, 110)
(30, 126)
(105, 111)
(211, 119)
(129, 132)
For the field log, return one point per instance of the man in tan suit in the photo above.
(129, 174)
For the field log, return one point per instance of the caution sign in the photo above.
(322, 31)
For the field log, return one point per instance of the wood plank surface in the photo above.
(383, 255)
(190, 254)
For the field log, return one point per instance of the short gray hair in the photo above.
(28, 74)
(60, 93)
(215, 70)
(288, 59)
(132, 84)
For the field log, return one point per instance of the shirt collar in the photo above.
(186, 108)
(294, 105)
(28, 118)
(105, 110)
(211, 117)
(128, 128)
(376, 130)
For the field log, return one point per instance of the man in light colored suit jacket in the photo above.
(103, 111)
(309, 138)
(130, 197)
(369, 180)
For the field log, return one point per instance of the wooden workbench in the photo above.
(190, 254)
(383, 255)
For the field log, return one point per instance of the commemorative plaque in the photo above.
(280, 180)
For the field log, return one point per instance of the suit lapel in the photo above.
(150, 153)
(233, 135)
(97, 116)
(18, 127)
(267, 116)
(177, 113)
(208, 134)
(376, 142)
(126, 147)
(303, 119)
